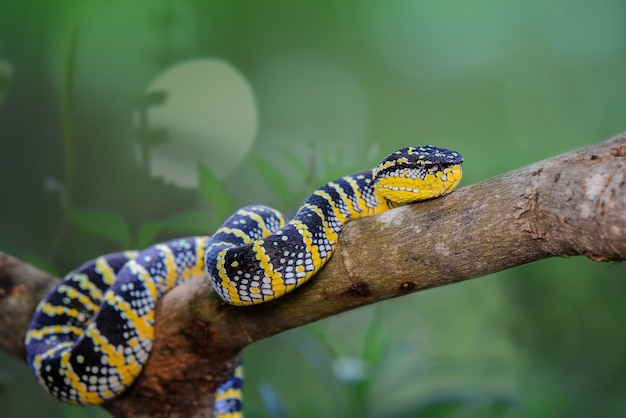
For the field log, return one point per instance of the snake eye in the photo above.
(420, 164)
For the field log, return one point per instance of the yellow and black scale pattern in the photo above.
(256, 256)
(92, 334)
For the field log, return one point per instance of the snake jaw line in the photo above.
(418, 173)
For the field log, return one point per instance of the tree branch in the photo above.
(573, 204)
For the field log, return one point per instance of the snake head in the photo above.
(418, 173)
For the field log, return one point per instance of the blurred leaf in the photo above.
(274, 179)
(191, 222)
(147, 233)
(74, 411)
(5, 74)
(40, 263)
(103, 224)
(153, 137)
(319, 355)
(376, 341)
(436, 408)
(295, 160)
(468, 404)
(341, 164)
(272, 402)
(154, 98)
(214, 193)
(185, 223)
(336, 165)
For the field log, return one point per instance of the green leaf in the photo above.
(274, 179)
(316, 352)
(75, 411)
(214, 193)
(40, 263)
(303, 168)
(147, 233)
(103, 224)
(470, 402)
(194, 222)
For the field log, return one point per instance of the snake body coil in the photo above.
(91, 336)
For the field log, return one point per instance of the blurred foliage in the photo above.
(5, 74)
(127, 123)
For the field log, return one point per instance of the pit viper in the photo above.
(92, 334)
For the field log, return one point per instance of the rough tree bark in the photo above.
(573, 204)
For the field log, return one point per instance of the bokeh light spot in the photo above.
(209, 115)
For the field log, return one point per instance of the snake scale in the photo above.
(92, 334)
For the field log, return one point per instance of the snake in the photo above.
(91, 336)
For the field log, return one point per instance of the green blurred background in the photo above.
(126, 123)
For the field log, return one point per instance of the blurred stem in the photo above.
(67, 130)
(147, 137)
(165, 23)
(143, 133)
(67, 136)
(57, 237)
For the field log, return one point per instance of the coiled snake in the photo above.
(92, 334)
